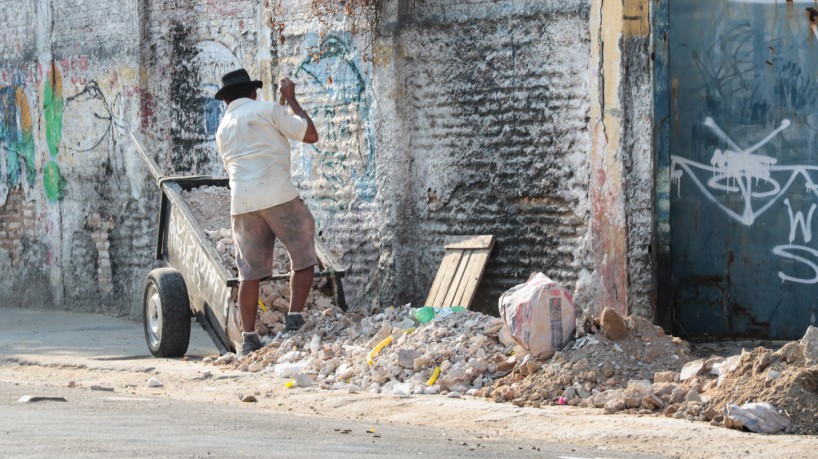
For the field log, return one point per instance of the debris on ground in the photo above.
(39, 398)
(786, 379)
(614, 363)
(389, 352)
(595, 371)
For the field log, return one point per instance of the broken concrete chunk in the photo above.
(407, 357)
(653, 402)
(792, 353)
(665, 377)
(505, 337)
(693, 396)
(615, 405)
(678, 395)
(691, 369)
(602, 398)
(664, 389)
(810, 343)
(613, 326)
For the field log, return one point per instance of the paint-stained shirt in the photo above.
(253, 141)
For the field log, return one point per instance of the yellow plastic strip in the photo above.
(377, 349)
(435, 374)
(262, 306)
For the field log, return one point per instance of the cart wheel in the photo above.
(166, 313)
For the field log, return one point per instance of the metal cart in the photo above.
(195, 281)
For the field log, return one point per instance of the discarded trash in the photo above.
(755, 417)
(154, 382)
(288, 370)
(102, 388)
(38, 398)
(429, 313)
(374, 352)
(434, 376)
(249, 399)
(539, 315)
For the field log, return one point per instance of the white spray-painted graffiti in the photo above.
(741, 170)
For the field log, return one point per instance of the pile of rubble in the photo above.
(610, 366)
(761, 390)
(630, 365)
(616, 364)
(390, 352)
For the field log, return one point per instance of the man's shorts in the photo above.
(255, 233)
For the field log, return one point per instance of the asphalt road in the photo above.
(104, 424)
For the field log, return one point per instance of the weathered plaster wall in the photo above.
(496, 107)
(74, 222)
(621, 187)
(456, 117)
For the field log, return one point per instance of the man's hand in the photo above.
(287, 88)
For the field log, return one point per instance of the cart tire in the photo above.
(166, 313)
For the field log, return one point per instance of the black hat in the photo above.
(235, 79)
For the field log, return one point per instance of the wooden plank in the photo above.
(441, 272)
(445, 273)
(457, 299)
(458, 279)
(472, 277)
(469, 242)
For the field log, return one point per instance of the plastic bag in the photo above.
(539, 315)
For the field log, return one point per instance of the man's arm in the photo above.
(287, 88)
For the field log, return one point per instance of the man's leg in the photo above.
(300, 285)
(248, 304)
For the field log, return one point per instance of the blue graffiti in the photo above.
(337, 81)
(16, 136)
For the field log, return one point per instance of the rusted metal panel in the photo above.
(743, 189)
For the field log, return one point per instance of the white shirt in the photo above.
(253, 142)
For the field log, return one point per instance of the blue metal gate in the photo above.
(739, 167)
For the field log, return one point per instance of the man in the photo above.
(253, 141)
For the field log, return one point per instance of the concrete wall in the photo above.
(436, 118)
(74, 223)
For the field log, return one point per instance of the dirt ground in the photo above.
(50, 354)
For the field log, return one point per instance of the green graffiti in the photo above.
(53, 181)
(53, 105)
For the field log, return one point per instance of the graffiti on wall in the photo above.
(53, 106)
(341, 166)
(757, 182)
(16, 140)
(194, 113)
